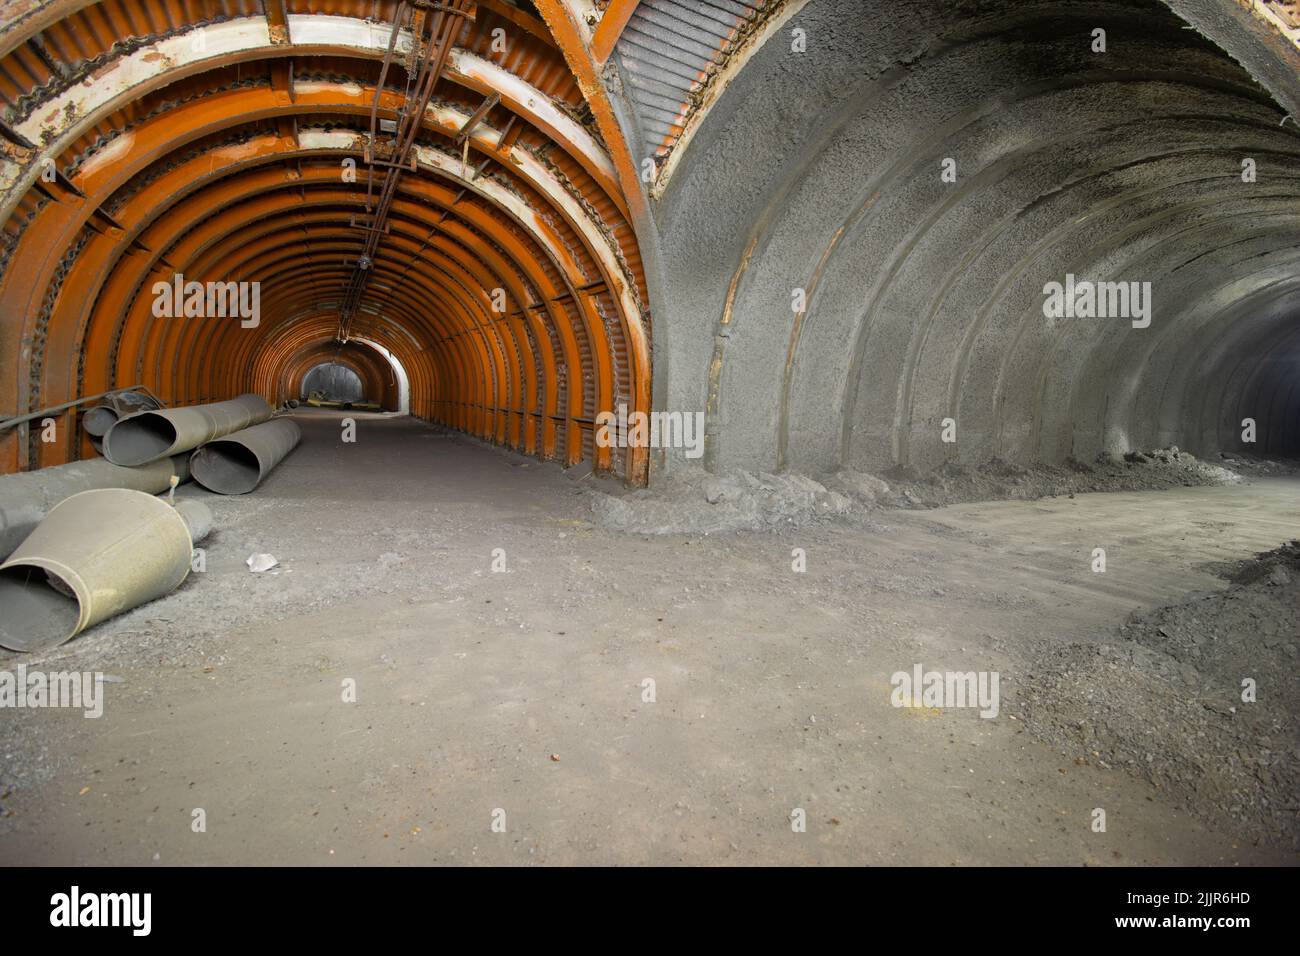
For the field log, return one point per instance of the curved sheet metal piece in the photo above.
(96, 555)
(26, 498)
(148, 436)
(238, 463)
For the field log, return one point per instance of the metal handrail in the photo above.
(11, 422)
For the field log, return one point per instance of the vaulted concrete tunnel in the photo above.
(335, 381)
(350, 372)
(829, 297)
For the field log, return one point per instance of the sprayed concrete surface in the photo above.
(820, 171)
(523, 691)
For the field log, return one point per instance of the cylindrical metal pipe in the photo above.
(27, 497)
(148, 436)
(96, 555)
(236, 464)
(98, 420)
(197, 517)
(111, 396)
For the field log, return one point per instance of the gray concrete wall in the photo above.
(821, 170)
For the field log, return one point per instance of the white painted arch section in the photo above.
(399, 373)
(58, 123)
(308, 30)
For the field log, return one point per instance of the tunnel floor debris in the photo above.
(1162, 697)
(772, 686)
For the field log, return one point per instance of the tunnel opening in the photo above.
(335, 382)
(252, 153)
(855, 267)
(357, 372)
(875, 286)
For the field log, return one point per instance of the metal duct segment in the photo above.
(96, 555)
(236, 464)
(148, 436)
(99, 419)
(26, 498)
(197, 517)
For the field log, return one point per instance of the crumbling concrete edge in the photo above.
(1254, 36)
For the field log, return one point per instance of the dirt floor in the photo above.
(521, 696)
(1225, 740)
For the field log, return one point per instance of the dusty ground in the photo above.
(1225, 740)
(693, 501)
(523, 691)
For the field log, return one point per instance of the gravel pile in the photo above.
(956, 483)
(696, 502)
(1163, 698)
(692, 501)
(1254, 467)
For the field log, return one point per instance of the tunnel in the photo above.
(218, 143)
(335, 381)
(870, 327)
(851, 218)
(893, 203)
(349, 373)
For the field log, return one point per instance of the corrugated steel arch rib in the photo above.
(225, 165)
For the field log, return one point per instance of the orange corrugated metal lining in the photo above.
(376, 375)
(229, 170)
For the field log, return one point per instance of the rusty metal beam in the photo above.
(277, 21)
(570, 35)
(610, 28)
(282, 77)
(477, 117)
(509, 135)
(74, 111)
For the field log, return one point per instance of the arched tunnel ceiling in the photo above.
(829, 300)
(820, 291)
(225, 141)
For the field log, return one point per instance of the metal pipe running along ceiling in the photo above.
(423, 176)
